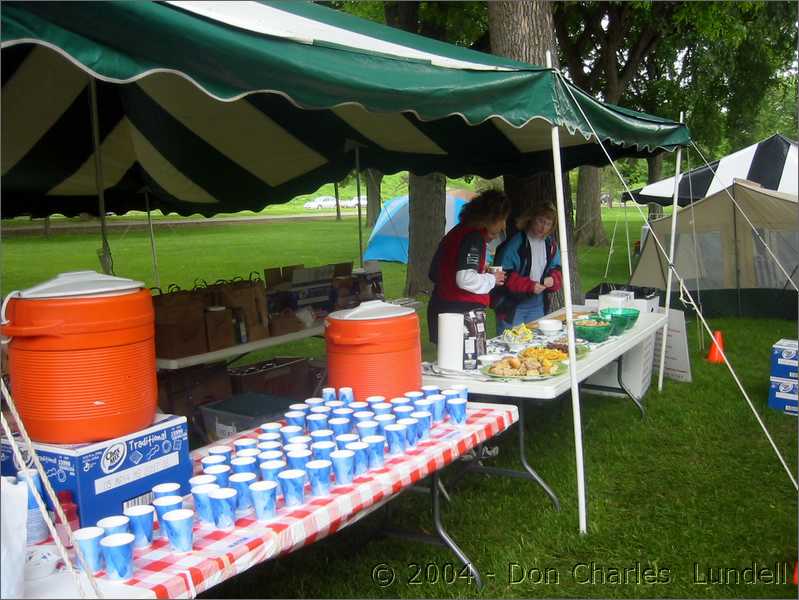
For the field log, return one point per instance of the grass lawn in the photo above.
(692, 487)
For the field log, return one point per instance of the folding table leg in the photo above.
(622, 387)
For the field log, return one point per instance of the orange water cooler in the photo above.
(82, 357)
(375, 349)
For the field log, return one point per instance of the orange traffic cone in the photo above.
(714, 356)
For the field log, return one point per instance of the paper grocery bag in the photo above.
(179, 324)
(250, 297)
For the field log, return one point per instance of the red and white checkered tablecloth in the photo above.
(219, 555)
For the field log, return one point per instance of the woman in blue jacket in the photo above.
(531, 261)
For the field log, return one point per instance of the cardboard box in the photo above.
(784, 361)
(106, 477)
(783, 395)
(283, 323)
(282, 376)
(219, 328)
(183, 390)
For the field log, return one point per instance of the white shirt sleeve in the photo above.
(474, 282)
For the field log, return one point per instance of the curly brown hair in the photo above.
(485, 209)
(544, 209)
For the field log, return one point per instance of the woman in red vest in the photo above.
(458, 269)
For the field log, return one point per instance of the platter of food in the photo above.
(527, 366)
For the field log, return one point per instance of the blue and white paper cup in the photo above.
(322, 435)
(413, 395)
(264, 499)
(430, 390)
(424, 404)
(345, 412)
(270, 455)
(289, 431)
(456, 408)
(180, 529)
(224, 451)
(338, 425)
(411, 431)
(141, 518)
(363, 415)
(213, 460)
(424, 421)
(316, 421)
(294, 448)
(367, 428)
(321, 410)
(322, 450)
(244, 464)
(438, 407)
(166, 503)
(400, 401)
(301, 407)
(115, 524)
(376, 451)
(244, 443)
(343, 465)
(202, 501)
(463, 390)
(328, 394)
(346, 395)
(298, 459)
(223, 506)
(88, 538)
(344, 439)
(356, 406)
(375, 400)
(302, 439)
(360, 458)
(254, 451)
(450, 394)
(221, 472)
(403, 411)
(270, 469)
(396, 436)
(319, 474)
(270, 445)
(203, 479)
(292, 484)
(241, 483)
(295, 417)
(334, 404)
(118, 555)
(272, 427)
(311, 402)
(383, 420)
(32, 479)
(381, 408)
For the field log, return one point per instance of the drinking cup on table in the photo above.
(270, 445)
(244, 464)
(356, 406)
(363, 415)
(316, 421)
(254, 451)
(376, 451)
(360, 457)
(272, 427)
(301, 407)
(179, 525)
(383, 420)
(450, 394)
(115, 524)
(328, 394)
(343, 465)
(244, 443)
(338, 426)
(223, 506)
(166, 503)
(424, 404)
(297, 459)
(424, 421)
(366, 428)
(429, 390)
(321, 435)
(301, 439)
(202, 501)
(401, 401)
(118, 555)
(463, 390)
(334, 404)
(396, 436)
(221, 472)
(270, 469)
(346, 395)
(344, 439)
(375, 400)
(295, 417)
(322, 450)
(456, 408)
(414, 395)
(294, 447)
(273, 437)
(32, 479)
(88, 538)
(381, 408)
(199, 480)
(319, 474)
(270, 455)
(411, 431)
(292, 484)
(264, 499)
(212, 460)
(241, 483)
(165, 489)
(222, 450)
(289, 431)
(346, 412)
(438, 407)
(404, 411)
(141, 523)
(311, 402)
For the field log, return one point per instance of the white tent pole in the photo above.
(106, 260)
(567, 297)
(156, 275)
(358, 193)
(674, 205)
(610, 250)
(627, 230)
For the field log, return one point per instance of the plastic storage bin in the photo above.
(225, 418)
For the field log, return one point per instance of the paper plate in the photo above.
(561, 369)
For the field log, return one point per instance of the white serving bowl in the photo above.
(488, 359)
(550, 326)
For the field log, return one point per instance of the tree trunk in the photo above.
(525, 31)
(373, 200)
(654, 166)
(338, 205)
(426, 213)
(589, 229)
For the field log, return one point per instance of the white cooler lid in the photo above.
(373, 309)
(81, 283)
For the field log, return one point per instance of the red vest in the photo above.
(446, 288)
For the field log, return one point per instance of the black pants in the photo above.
(437, 306)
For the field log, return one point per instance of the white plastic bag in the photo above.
(13, 522)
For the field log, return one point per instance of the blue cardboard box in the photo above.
(783, 395)
(784, 360)
(107, 477)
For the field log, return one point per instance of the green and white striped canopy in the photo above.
(224, 106)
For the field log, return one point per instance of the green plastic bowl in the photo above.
(621, 319)
(592, 334)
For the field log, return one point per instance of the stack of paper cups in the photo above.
(450, 341)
